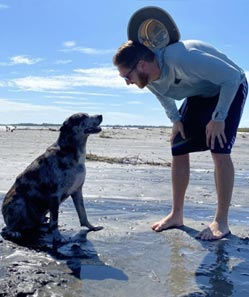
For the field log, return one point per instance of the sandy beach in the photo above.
(128, 187)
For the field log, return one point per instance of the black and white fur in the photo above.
(50, 179)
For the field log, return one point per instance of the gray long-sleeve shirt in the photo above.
(194, 68)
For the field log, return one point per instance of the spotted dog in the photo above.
(50, 179)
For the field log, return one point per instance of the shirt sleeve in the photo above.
(168, 104)
(205, 66)
(170, 108)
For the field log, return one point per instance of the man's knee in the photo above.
(181, 160)
(221, 159)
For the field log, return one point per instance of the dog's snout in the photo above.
(100, 117)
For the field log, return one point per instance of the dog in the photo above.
(50, 179)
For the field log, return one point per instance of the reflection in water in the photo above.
(99, 271)
(213, 275)
(179, 268)
(102, 272)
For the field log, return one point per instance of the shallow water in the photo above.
(126, 258)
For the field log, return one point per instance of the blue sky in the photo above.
(56, 56)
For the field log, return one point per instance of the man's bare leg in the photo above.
(224, 179)
(180, 179)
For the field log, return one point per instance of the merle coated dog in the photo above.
(50, 179)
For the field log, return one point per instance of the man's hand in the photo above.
(177, 127)
(215, 130)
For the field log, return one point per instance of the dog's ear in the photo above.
(64, 128)
(66, 137)
(68, 131)
(74, 120)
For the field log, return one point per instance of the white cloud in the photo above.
(22, 59)
(134, 102)
(80, 104)
(62, 62)
(93, 51)
(106, 77)
(77, 82)
(67, 102)
(85, 93)
(69, 43)
(21, 112)
(70, 46)
(38, 83)
(93, 77)
(63, 97)
(4, 6)
(3, 84)
(9, 106)
(247, 74)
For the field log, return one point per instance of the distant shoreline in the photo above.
(107, 126)
(55, 127)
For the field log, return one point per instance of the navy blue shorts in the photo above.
(196, 113)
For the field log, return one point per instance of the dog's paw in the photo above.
(10, 234)
(96, 228)
(57, 237)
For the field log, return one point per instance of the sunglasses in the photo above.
(126, 77)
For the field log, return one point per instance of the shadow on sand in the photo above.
(35, 265)
(75, 251)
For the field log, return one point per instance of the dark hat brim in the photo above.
(157, 15)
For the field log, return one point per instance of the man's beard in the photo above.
(143, 79)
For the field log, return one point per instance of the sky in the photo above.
(56, 56)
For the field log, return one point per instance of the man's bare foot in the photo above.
(168, 222)
(214, 232)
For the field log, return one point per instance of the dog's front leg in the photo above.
(54, 213)
(80, 208)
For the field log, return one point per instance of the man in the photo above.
(215, 89)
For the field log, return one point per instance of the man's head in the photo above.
(132, 60)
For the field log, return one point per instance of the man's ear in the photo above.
(142, 65)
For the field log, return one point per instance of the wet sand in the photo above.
(126, 258)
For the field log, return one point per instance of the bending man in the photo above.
(215, 90)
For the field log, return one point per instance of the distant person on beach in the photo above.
(215, 90)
